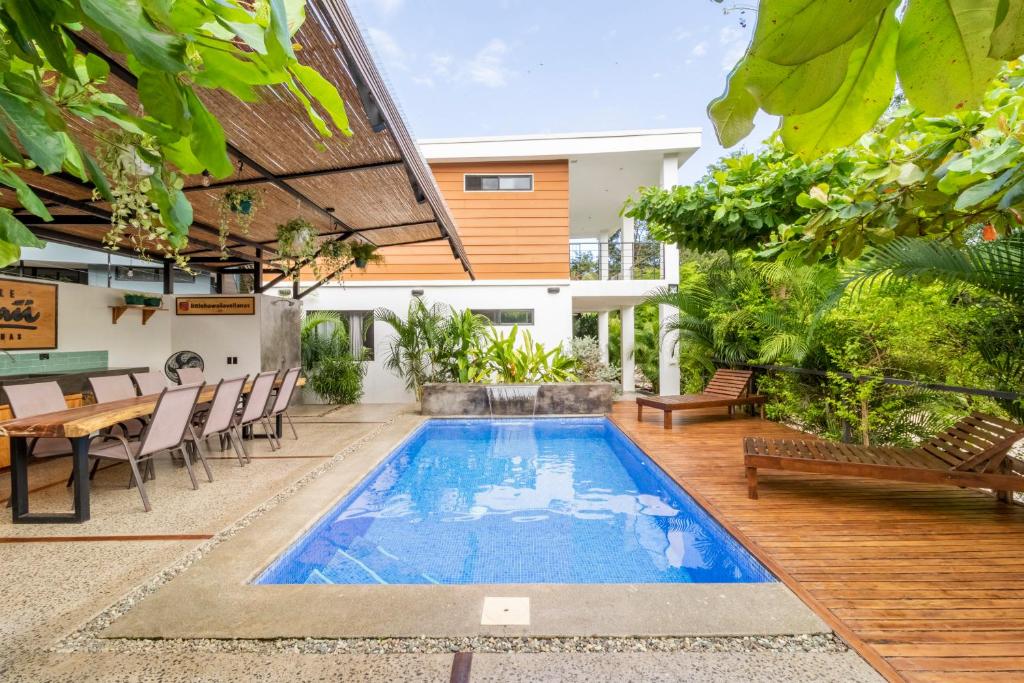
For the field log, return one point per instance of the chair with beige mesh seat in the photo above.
(164, 433)
(150, 382)
(190, 376)
(220, 421)
(39, 398)
(111, 388)
(257, 405)
(284, 398)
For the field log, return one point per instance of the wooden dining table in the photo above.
(78, 425)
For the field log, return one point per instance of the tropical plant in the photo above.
(53, 87)
(417, 351)
(918, 176)
(508, 362)
(297, 244)
(331, 371)
(590, 365)
(829, 68)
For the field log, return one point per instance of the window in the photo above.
(507, 316)
(75, 275)
(361, 344)
(147, 274)
(498, 183)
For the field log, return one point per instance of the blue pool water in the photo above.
(516, 501)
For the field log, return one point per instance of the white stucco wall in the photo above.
(84, 324)
(216, 337)
(552, 316)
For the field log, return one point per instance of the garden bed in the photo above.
(571, 398)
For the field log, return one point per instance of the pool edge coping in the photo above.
(214, 599)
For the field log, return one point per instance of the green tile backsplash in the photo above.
(59, 361)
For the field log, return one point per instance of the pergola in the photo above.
(372, 187)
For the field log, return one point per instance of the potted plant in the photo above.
(364, 253)
(153, 301)
(134, 299)
(296, 243)
(237, 207)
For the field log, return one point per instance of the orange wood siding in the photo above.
(507, 235)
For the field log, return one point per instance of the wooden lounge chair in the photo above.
(972, 453)
(728, 388)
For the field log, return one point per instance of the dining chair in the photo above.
(152, 382)
(117, 388)
(39, 398)
(219, 421)
(165, 432)
(190, 375)
(284, 398)
(257, 404)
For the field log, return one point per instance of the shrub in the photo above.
(590, 367)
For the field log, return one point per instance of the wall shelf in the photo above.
(147, 312)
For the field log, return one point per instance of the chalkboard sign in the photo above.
(28, 315)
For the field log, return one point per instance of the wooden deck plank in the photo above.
(925, 582)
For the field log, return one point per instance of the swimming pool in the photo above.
(546, 500)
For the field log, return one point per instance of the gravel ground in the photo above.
(821, 643)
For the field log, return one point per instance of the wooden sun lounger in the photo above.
(973, 453)
(728, 388)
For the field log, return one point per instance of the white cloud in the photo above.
(388, 48)
(681, 33)
(387, 7)
(700, 49)
(488, 65)
(734, 40)
(425, 81)
(441, 64)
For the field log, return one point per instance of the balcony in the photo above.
(614, 260)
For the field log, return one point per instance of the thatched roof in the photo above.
(373, 186)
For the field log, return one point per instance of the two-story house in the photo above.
(539, 216)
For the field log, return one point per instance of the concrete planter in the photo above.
(577, 398)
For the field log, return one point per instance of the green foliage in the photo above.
(52, 94)
(734, 309)
(829, 68)
(331, 371)
(439, 344)
(743, 201)
(590, 367)
(918, 176)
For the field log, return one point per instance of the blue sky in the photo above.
(466, 68)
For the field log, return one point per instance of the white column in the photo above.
(668, 363)
(626, 236)
(628, 368)
(602, 335)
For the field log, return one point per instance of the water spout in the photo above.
(519, 399)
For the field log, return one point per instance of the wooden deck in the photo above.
(926, 582)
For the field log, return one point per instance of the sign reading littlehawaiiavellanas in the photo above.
(28, 315)
(215, 305)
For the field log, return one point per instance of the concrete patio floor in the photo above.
(59, 578)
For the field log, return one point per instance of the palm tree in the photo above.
(411, 351)
(994, 267)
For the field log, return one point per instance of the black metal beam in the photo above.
(376, 227)
(294, 176)
(130, 79)
(257, 273)
(29, 219)
(100, 212)
(168, 276)
(322, 281)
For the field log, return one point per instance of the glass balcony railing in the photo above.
(613, 260)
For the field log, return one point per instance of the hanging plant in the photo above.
(364, 253)
(296, 242)
(138, 184)
(237, 209)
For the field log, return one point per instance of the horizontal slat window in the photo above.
(475, 182)
(507, 316)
